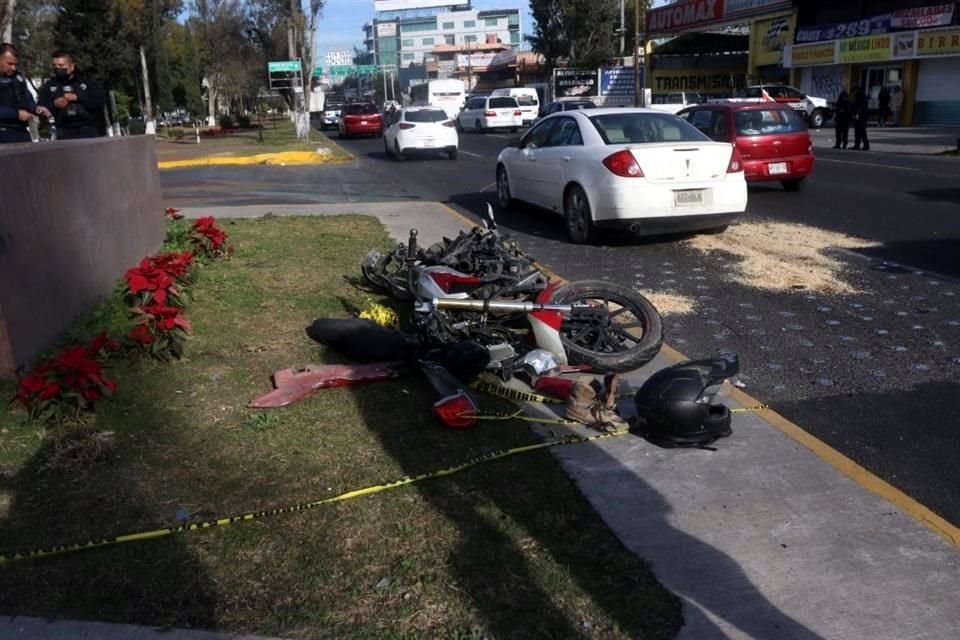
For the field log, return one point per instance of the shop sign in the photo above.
(813, 54)
(770, 38)
(386, 29)
(922, 17)
(618, 81)
(713, 82)
(905, 45)
(574, 83)
(868, 49)
(684, 15)
(938, 43)
(867, 27)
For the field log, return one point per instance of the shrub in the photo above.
(226, 122)
(243, 122)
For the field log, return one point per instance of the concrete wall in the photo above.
(74, 215)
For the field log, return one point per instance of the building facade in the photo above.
(908, 46)
(405, 34)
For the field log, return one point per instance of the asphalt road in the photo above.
(873, 372)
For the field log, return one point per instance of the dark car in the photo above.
(567, 105)
(773, 139)
(360, 118)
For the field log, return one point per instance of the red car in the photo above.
(360, 118)
(772, 139)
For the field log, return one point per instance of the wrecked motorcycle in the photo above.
(481, 287)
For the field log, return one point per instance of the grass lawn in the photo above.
(277, 134)
(509, 549)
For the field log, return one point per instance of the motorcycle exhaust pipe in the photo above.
(634, 228)
(498, 305)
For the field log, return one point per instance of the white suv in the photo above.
(817, 110)
(490, 112)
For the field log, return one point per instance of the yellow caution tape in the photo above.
(513, 394)
(759, 407)
(304, 506)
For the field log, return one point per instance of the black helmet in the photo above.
(674, 405)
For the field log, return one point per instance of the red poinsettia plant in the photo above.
(173, 214)
(68, 383)
(209, 239)
(160, 330)
(150, 284)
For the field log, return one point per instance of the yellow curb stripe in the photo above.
(282, 157)
(863, 477)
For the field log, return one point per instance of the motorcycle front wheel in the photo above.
(617, 331)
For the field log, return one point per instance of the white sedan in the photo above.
(639, 170)
(421, 129)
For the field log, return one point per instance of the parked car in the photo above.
(639, 170)
(674, 102)
(488, 112)
(421, 130)
(527, 98)
(816, 110)
(773, 140)
(361, 118)
(567, 105)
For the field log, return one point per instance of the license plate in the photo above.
(425, 143)
(688, 197)
(777, 168)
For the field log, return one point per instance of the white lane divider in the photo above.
(868, 164)
(470, 153)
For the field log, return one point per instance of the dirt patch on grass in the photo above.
(780, 256)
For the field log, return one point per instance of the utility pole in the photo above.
(149, 125)
(8, 19)
(639, 44)
(623, 28)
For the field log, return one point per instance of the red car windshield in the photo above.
(361, 110)
(759, 122)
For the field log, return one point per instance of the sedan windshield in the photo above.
(632, 128)
(426, 115)
(757, 122)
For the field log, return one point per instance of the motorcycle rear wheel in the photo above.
(630, 336)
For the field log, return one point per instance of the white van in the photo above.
(526, 97)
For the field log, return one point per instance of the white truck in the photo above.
(674, 102)
(816, 110)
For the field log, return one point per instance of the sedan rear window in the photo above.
(361, 109)
(426, 115)
(758, 122)
(526, 101)
(503, 103)
(632, 128)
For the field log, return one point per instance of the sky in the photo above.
(341, 26)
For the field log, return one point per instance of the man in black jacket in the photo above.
(860, 111)
(16, 104)
(74, 99)
(841, 120)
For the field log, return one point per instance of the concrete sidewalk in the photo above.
(772, 536)
(897, 140)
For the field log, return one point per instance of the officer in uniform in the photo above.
(17, 107)
(74, 99)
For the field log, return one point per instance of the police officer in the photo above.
(17, 107)
(74, 99)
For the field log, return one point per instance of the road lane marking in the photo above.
(470, 153)
(499, 135)
(868, 164)
(492, 184)
(840, 462)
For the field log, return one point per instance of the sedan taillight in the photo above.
(736, 162)
(623, 164)
(449, 123)
(490, 114)
(406, 125)
(518, 113)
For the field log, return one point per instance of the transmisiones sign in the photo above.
(691, 14)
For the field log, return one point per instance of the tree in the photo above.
(549, 35)
(581, 30)
(32, 27)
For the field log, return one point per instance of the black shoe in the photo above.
(855, 148)
(866, 149)
(836, 146)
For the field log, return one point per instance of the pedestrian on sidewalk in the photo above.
(860, 112)
(883, 100)
(896, 104)
(74, 99)
(17, 108)
(841, 120)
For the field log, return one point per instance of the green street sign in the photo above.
(283, 65)
(366, 69)
(341, 70)
(318, 71)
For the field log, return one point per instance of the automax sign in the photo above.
(869, 49)
(683, 15)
